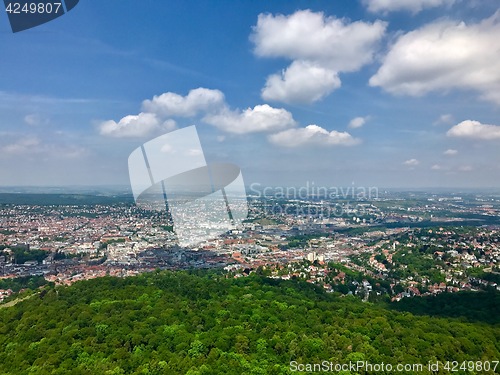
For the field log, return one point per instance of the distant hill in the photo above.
(63, 199)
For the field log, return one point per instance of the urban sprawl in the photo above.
(393, 246)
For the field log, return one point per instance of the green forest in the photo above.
(205, 323)
(28, 282)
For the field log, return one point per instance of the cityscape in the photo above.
(250, 187)
(393, 244)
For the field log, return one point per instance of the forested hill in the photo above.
(182, 323)
(39, 199)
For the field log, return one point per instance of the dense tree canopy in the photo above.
(203, 323)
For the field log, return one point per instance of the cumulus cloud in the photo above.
(411, 162)
(207, 105)
(474, 130)
(139, 125)
(444, 55)
(414, 6)
(261, 118)
(305, 35)
(450, 152)
(319, 46)
(358, 122)
(157, 113)
(196, 101)
(436, 167)
(301, 82)
(312, 135)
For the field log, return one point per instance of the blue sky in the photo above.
(387, 93)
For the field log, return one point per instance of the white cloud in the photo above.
(305, 35)
(444, 55)
(168, 125)
(411, 162)
(312, 135)
(194, 152)
(301, 82)
(196, 101)
(35, 119)
(358, 122)
(261, 118)
(167, 149)
(474, 130)
(319, 46)
(414, 6)
(25, 145)
(209, 105)
(450, 152)
(465, 168)
(156, 113)
(139, 125)
(32, 146)
(436, 167)
(444, 119)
